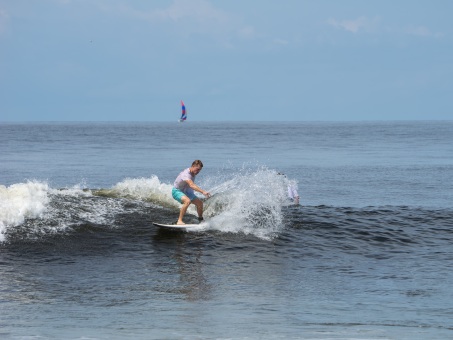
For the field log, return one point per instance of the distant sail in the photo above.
(183, 113)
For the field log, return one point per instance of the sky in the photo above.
(229, 60)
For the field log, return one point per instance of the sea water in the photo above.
(366, 255)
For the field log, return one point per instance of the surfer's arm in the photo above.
(195, 187)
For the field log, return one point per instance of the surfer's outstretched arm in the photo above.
(195, 187)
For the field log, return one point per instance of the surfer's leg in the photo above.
(185, 204)
(199, 204)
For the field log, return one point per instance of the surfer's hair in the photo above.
(197, 163)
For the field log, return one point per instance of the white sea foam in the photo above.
(20, 201)
(146, 189)
(55, 209)
(78, 190)
(76, 205)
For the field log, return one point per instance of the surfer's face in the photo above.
(195, 169)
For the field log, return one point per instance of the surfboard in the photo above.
(176, 227)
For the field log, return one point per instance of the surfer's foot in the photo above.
(180, 223)
(200, 219)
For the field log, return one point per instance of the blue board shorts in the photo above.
(178, 194)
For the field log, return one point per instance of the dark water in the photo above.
(367, 254)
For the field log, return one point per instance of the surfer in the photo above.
(183, 190)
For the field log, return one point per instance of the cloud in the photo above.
(281, 42)
(198, 10)
(365, 24)
(421, 31)
(354, 26)
(186, 17)
(247, 32)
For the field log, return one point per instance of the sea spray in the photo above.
(250, 202)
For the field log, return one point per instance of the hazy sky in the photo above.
(229, 60)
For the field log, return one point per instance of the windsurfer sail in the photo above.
(183, 113)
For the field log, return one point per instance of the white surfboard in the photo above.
(183, 227)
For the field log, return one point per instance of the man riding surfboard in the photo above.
(183, 191)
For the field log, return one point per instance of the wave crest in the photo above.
(20, 201)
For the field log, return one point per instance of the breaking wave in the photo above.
(249, 202)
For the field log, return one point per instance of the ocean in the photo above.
(367, 254)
